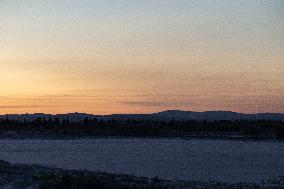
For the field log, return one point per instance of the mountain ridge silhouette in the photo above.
(166, 115)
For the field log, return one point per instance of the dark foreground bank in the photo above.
(19, 176)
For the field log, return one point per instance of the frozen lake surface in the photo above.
(203, 160)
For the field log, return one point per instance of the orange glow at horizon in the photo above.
(130, 57)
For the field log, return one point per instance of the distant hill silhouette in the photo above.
(159, 116)
(217, 115)
(170, 123)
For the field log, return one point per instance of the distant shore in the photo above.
(190, 137)
(94, 128)
(34, 176)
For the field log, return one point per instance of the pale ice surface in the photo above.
(200, 160)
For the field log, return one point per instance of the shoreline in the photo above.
(82, 137)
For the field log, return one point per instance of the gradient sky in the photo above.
(139, 56)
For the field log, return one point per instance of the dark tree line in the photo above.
(142, 128)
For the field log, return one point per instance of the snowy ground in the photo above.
(201, 160)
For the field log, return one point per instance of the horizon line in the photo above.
(149, 113)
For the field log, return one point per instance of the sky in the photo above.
(141, 56)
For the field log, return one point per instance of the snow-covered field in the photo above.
(202, 160)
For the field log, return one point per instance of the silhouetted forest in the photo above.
(140, 128)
